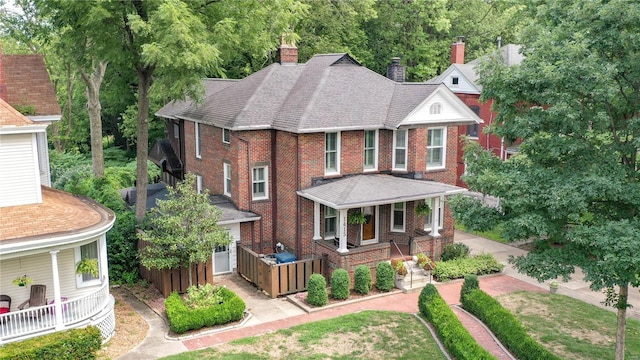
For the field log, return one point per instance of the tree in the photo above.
(183, 229)
(573, 188)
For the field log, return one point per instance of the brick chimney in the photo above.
(287, 53)
(457, 51)
(395, 71)
(3, 86)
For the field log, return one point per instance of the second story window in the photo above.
(227, 179)
(176, 131)
(259, 183)
(400, 150)
(226, 136)
(330, 222)
(331, 153)
(371, 150)
(436, 143)
(435, 108)
(198, 141)
(472, 130)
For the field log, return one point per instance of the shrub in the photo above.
(182, 318)
(362, 279)
(203, 296)
(505, 326)
(454, 336)
(340, 284)
(317, 290)
(457, 269)
(470, 283)
(65, 345)
(454, 251)
(384, 276)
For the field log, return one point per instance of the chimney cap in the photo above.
(460, 39)
(395, 60)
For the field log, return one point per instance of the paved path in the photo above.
(274, 314)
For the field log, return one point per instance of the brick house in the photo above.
(306, 146)
(462, 79)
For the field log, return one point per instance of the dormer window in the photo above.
(455, 80)
(435, 108)
(226, 136)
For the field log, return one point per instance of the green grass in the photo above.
(493, 234)
(362, 335)
(571, 328)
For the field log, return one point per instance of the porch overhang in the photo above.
(376, 189)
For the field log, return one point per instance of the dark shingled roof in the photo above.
(329, 92)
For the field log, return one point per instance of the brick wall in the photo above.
(448, 175)
(286, 178)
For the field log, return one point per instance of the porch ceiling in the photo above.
(375, 189)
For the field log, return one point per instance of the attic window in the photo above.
(435, 108)
(454, 80)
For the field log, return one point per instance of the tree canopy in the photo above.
(573, 187)
(183, 230)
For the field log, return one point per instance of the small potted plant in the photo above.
(423, 209)
(553, 286)
(399, 267)
(23, 280)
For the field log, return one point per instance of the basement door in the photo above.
(224, 257)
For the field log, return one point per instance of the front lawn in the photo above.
(570, 328)
(362, 335)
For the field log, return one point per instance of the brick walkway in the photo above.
(494, 285)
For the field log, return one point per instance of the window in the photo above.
(227, 179)
(199, 184)
(436, 148)
(332, 153)
(400, 150)
(371, 149)
(435, 108)
(455, 80)
(198, 141)
(398, 217)
(176, 131)
(472, 130)
(88, 251)
(429, 217)
(259, 183)
(226, 136)
(330, 222)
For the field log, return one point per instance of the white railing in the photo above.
(23, 323)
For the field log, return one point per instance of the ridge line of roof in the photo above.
(251, 98)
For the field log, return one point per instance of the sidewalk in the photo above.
(270, 315)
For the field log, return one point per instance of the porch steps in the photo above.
(413, 281)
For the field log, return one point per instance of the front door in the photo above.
(369, 228)
(221, 260)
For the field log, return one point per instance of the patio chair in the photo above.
(5, 306)
(36, 298)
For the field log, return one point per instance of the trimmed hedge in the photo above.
(470, 283)
(362, 279)
(340, 284)
(71, 344)
(384, 277)
(455, 337)
(183, 318)
(505, 326)
(454, 251)
(457, 269)
(317, 290)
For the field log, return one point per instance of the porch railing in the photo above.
(42, 318)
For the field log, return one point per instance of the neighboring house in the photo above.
(462, 79)
(44, 232)
(305, 146)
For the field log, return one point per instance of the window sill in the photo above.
(258, 199)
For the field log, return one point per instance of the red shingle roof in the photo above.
(28, 84)
(11, 116)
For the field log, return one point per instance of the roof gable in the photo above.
(442, 107)
(11, 117)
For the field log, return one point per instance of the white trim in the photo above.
(226, 180)
(404, 218)
(265, 180)
(198, 144)
(316, 221)
(228, 132)
(406, 150)
(199, 183)
(25, 129)
(432, 203)
(375, 151)
(443, 146)
(335, 171)
(44, 118)
(36, 167)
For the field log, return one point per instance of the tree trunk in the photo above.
(93, 82)
(70, 85)
(190, 266)
(142, 148)
(622, 321)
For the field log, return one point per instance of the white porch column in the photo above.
(56, 290)
(435, 213)
(342, 247)
(316, 221)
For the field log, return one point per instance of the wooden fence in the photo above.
(278, 279)
(170, 280)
